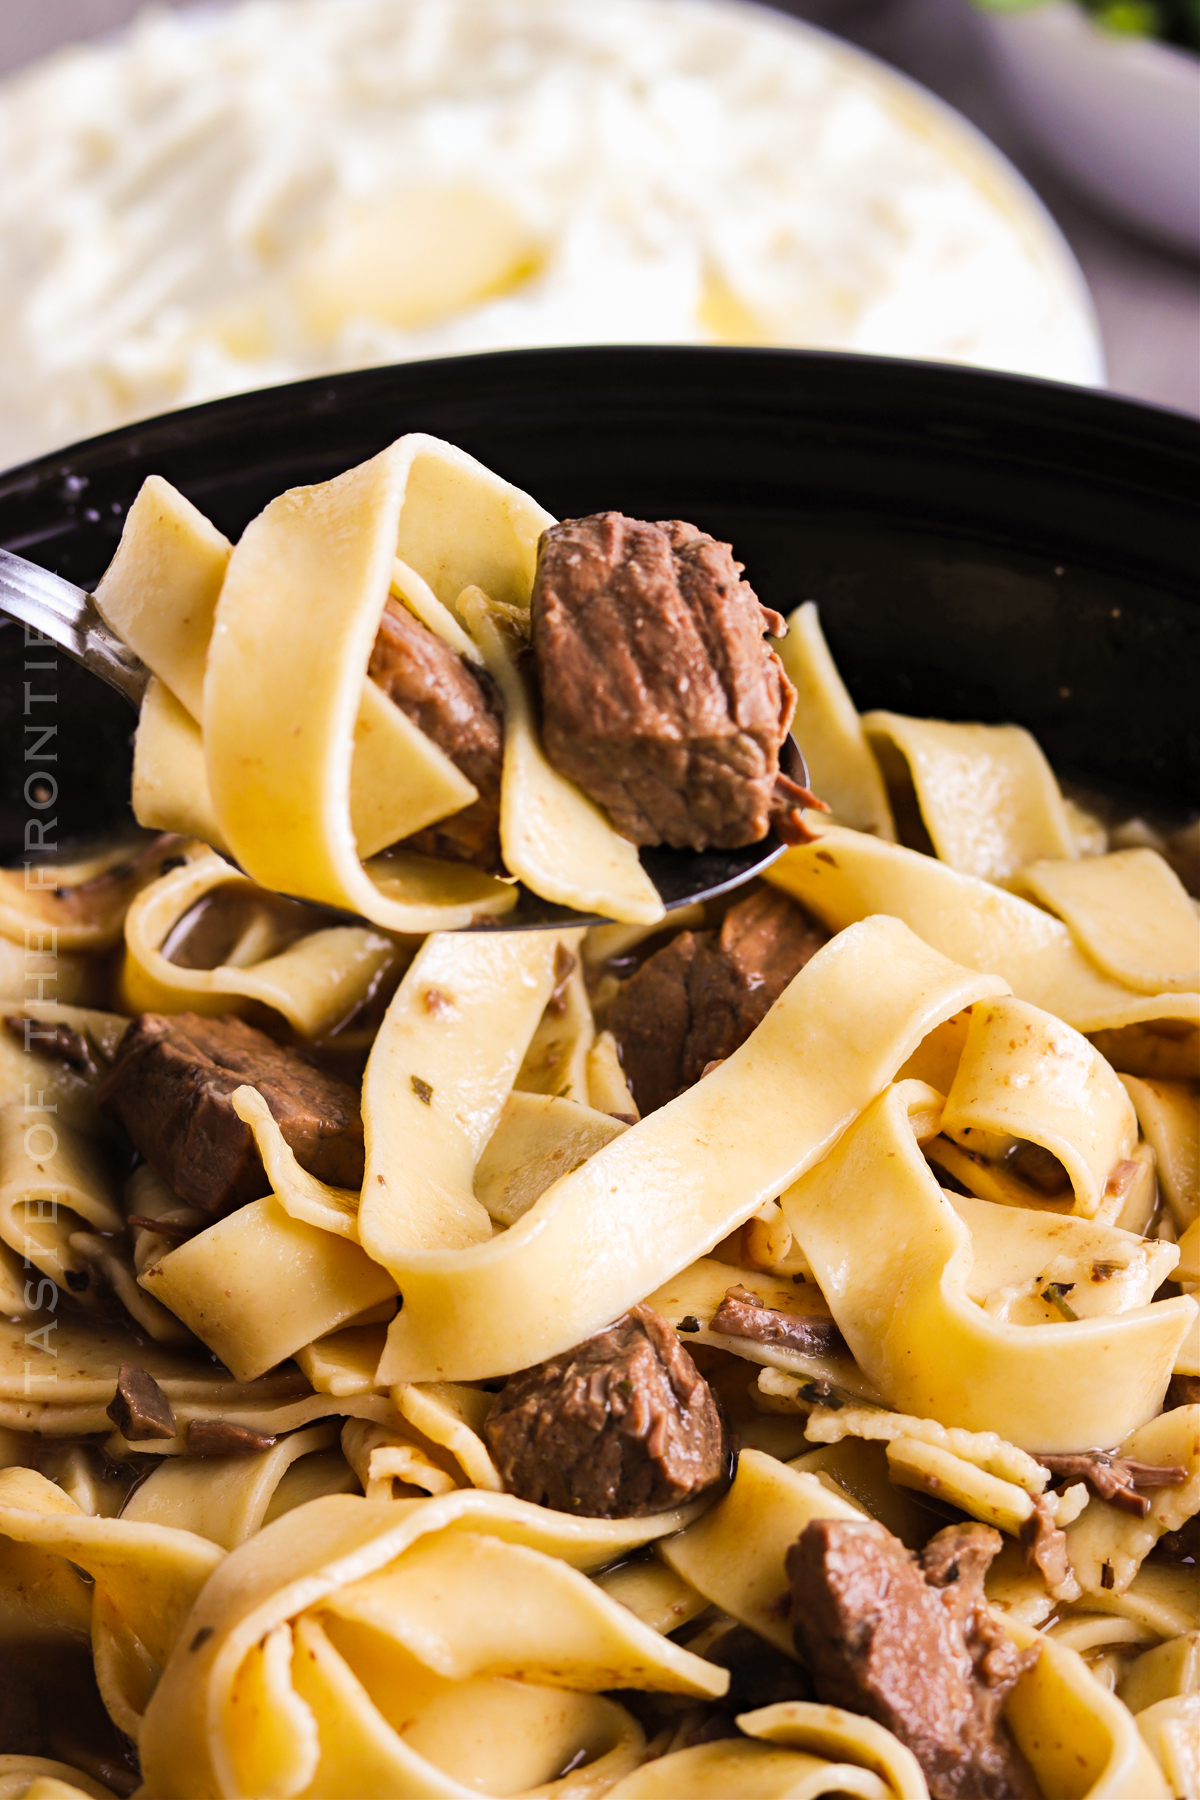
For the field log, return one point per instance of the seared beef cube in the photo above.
(457, 706)
(911, 1644)
(170, 1087)
(697, 999)
(622, 1425)
(659, 695)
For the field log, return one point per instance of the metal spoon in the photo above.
(68, 616)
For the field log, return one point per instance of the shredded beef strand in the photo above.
(1044, 1545)
(743, 1314)
(1117, 1479)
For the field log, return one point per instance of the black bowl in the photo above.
(982, 546)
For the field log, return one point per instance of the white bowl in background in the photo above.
(227, 197)
(1120, 116)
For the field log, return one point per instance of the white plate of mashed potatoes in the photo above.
(223, 198)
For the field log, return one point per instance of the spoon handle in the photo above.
(65, 614)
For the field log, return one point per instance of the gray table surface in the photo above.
(1147, 301)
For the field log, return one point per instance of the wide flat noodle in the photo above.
(170, 779)
(54, 1180)
(736, 1769)
(1169, 1115)
(537, 1139)
(1171, 1729)
(399, 780)
(303, 597)
(893, 1258)
(986, 794)
(147, 1578)
(555, 839)
(215, 1283)
(40, 1778)
(841, 767)
(315, 982)
(452, 1417)
(1168, 1670)
(1025, 1075)
(1129, 1200)
(439, 1074)
(734, 1555)
(160, 590)
(224, 1498)
(458, 1739)
(847, 875)
(656, 1198)
(1129, 912)
(81, 906)
(59, 1379)
(1020, 1253)
(1079, 1739)
(557, 1060)
(341, 1567)
(1107, 1546)
(848, 1736)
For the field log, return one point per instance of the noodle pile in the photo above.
(965, 1134)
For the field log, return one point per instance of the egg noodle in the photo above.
(361, 1608)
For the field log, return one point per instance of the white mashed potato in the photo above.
(229, 198)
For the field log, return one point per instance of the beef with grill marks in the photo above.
(698, 998)
(660, 697)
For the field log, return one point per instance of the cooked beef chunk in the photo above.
(139, 1408)
(743, 1314)
(623, 1424)
(912, 1644)
(1044, 1548)
(457, 706)
(225, 1437)
(170, 1086)
(659, 695)
(1115, 1478)
(697, 999)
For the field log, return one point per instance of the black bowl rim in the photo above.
(1088, 408)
